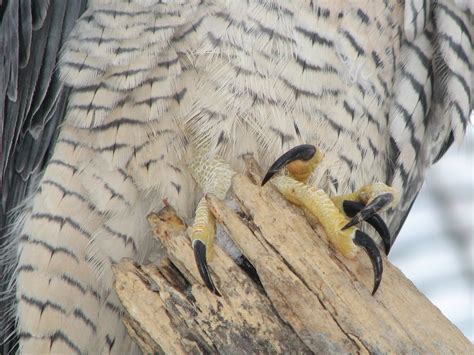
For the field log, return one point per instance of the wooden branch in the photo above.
(310, 299)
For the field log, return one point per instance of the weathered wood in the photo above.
(312, 300)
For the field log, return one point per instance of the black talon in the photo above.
(379, 225)
(351, 208)
(363, 240)
(200, 256)
(301, 152)
(370, 209)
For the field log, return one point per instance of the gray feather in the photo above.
(32, 104)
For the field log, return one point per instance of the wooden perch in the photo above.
(310, 299)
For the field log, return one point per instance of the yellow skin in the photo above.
(301, 170)
(213, 176)
(318, 203)
(204, 227)
(328, 211)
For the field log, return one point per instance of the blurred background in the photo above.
(435, 248)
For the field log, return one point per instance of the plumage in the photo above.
(144, 87)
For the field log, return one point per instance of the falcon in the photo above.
(110, 107)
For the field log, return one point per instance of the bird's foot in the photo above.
(366, 204)
(332, 215)
(213, 176)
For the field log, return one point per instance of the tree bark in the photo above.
(307, 298)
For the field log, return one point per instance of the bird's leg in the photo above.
(213, 176)
(366, 204)
(300, 163)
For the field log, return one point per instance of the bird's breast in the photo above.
(263, 78)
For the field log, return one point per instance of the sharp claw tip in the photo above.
(266, 178)
(363, 240)
(201, 262)
(376, 284)
(349, 225)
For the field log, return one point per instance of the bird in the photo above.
(111, 107)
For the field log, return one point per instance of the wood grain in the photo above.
(308, 298)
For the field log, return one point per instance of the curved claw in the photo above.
(200, 256)
(370, 209)
(351, 208)
(363, 240)
(301, 152)
(379, 225)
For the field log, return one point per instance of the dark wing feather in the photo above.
(32, 105)
(32, 35)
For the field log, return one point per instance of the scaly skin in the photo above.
(204, 227)
(319, 204)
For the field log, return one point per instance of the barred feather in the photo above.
(437, 74)
(417, 15)
(377, 86)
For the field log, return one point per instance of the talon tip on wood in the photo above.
(201, 261)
